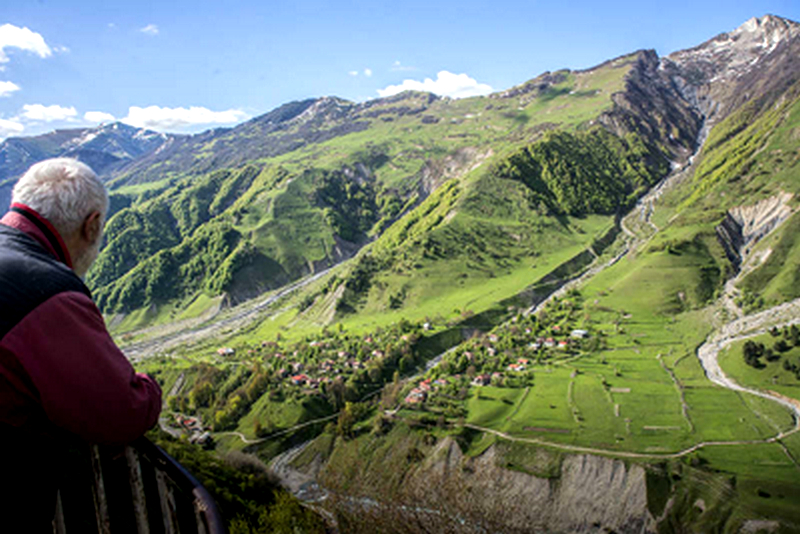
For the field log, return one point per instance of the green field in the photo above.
(773, 377)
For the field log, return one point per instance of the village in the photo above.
(339, 367)
(312, 364)
(505, 356)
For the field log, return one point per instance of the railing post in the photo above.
(158, 485)
(58, 521)
(168, 505)
(99, 494)
(137, 490)
(200, 516)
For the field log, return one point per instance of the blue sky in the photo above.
(189, 65)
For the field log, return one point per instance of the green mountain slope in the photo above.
(243, 230)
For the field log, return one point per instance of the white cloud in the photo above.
(446, 84)
(150, 29)
(61, 49)
(159, 118)
(9, 128)
(14, 37)
(353, 73)
(397, 66)
(38, 112)
(367, 72)
(6, 88)
(98, 116)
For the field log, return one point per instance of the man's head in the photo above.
(68, 193)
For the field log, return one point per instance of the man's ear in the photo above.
(92, 226)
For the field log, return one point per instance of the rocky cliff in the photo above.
(744, 226)
(586, 494)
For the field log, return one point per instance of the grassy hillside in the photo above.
(211, 229)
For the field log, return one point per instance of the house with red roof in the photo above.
(299, 380)
(481, 380)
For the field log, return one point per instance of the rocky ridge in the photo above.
(757, 59)
(106, 148)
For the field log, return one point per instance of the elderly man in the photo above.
(61, 375)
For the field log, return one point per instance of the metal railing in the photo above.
(137, 489)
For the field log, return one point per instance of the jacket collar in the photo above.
(27, 220)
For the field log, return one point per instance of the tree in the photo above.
(345, 422)
(781, 346)
(335, 393)
(375, 370)
(752, 351)
(381, 425)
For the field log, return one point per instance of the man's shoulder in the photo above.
(29, 276)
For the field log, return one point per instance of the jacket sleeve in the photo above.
(86, 385)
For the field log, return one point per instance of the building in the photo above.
(579, 334)
(416, 396)
(481, 380)
(299, 380)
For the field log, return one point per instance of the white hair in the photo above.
(62, 190)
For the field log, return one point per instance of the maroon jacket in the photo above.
(58, 363)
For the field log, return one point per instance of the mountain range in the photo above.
(106, 148)
(539, 296)
(242, 210)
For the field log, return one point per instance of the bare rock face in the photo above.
(651, 106)
(599, 490)
(757, 59)
(761, 218)
(590, 494)
(730, 55)
(744, 226)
